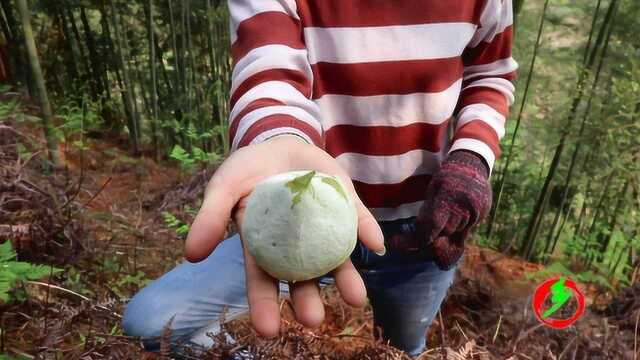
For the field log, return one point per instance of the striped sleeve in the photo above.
(487, 90)
(272, 78)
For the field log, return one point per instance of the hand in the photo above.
(458, 197)
(226, 196)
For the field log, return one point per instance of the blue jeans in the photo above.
(405, 291)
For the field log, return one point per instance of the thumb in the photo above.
(210, 225)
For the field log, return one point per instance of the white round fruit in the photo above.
(300, 225)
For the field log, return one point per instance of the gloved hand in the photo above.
(458, 197)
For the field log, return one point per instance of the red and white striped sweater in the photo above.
(379, 84)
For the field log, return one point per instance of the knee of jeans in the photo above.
(142, 319)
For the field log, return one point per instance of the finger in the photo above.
(369, 232)
(307, 304)
(446, 252)
(350, 284)
(262, 294)
(210, 224)
(458, 238)
(433, 222)
(452, 225)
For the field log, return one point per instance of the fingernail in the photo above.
(381, 252)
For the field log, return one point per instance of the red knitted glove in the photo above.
(458, 197)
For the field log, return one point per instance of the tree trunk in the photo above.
(73, 64)
(130, 71)
(19, 70)
(174, 43)
(96, 67)
(160, 59)
(496, 203)
(538, 209)
(178, 70)
(616, 215)
(127, 94)
(83, 57)
(576, 151)
(154, 81)
(601, 203)
(112, 123)
(47, 115)
(159, 54)
(6, 62)
(210, 41)
(529, 246)
(517, 8)
(557, 237)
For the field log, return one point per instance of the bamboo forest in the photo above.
(115, 115)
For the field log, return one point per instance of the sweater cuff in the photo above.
(478, 147)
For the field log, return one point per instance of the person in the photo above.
(404, 100)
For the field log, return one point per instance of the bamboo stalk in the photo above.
(538, 211)
(78, 42)
(574, 156)
(127, 91)
(43, 98)
(96, 64)
(154, 82)
(601, 203)
(71, 65)
(496, 203)
(620, 204)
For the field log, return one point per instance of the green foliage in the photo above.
(181, 228)
(12, 357)
(97, 339)
(561, 269)
(594, 278)
(182, 156)
(122, 284)
(138, 279)
(9, 106)
(13, 272)
(74, 281)
(558, 268)
(299, 186)
(189, 160)
(23, 152)
(77, 121)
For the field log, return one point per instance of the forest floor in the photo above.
(101, 220)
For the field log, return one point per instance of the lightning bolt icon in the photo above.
(560, 294)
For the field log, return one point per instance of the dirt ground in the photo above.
(100, 219)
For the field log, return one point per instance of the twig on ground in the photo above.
(493, 341)
(97, 192)
(461, 331)
(442, 338)
(59, 288)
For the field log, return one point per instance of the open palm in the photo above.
(226, 197)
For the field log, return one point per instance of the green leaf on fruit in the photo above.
(299, 185)
(335, 185)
